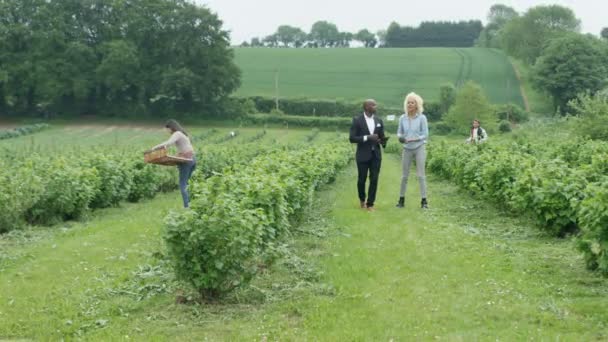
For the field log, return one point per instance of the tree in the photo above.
(447, 96)
(344, 39)
(498, 16)
(525, 37)
(430, 34)
(255, 42)
(381, 34)
(571, 65)
(367, 38)
(271, 40)
(324, 34)
(112, 56)
(471, 103)
(604, 33)
(290, 36)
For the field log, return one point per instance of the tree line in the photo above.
(324, 34)
(139, 57)
(564, 62)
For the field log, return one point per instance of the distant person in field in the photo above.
(477, 134)
(180, 138)
(413, 132)
(367, 131)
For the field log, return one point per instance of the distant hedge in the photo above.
(328, 108)
(23, 130)
(327, 123)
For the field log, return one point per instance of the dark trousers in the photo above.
(371, 167)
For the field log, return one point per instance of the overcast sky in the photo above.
(258, 18)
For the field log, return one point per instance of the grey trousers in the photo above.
(418, 154)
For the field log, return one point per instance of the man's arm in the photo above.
(354, 138)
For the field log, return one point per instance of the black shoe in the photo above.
(401, 202)
(424, 204)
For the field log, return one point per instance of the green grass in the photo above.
(540, 102)
(384, 74)
(462, 271)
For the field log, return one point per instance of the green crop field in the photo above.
(384, 74)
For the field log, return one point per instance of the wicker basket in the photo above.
(160, 157)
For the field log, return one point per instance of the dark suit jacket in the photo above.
(368, 149)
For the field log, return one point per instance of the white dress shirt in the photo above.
(370, 125)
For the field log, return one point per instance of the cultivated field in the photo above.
(465, 269)
(383, 74)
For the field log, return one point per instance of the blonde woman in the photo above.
(413, 132)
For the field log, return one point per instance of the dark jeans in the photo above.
(185, 172)
(372, 167)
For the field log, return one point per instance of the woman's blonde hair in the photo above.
(417, 99)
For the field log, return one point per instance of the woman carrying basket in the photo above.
(180, 138)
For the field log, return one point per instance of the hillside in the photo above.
(384, 74)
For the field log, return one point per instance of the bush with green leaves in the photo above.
(440, 128)
(69, 189)
(116, 179)
(21, 189)
(593, 112)
(149, 179)
(238, 218)
(511, 113)
(504, 126)
(550, 192)
(471, 103)
(593, 218)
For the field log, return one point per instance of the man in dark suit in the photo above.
(367, 131)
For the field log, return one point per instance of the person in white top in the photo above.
(477, 135)
(180, 138)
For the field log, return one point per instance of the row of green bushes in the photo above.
(328, 108)
(238, 218)
(565, 188)
(22, 130)
(46, 190)
(49, 189)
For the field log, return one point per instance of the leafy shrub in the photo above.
(116, 179)
(237, 218)
(511, 113)
(504, 126)
(68, 191)
(332, 108)
(593, 110)
(21, 188)
(440, 128)
(593, 217)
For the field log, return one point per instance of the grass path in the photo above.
(462, 270)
